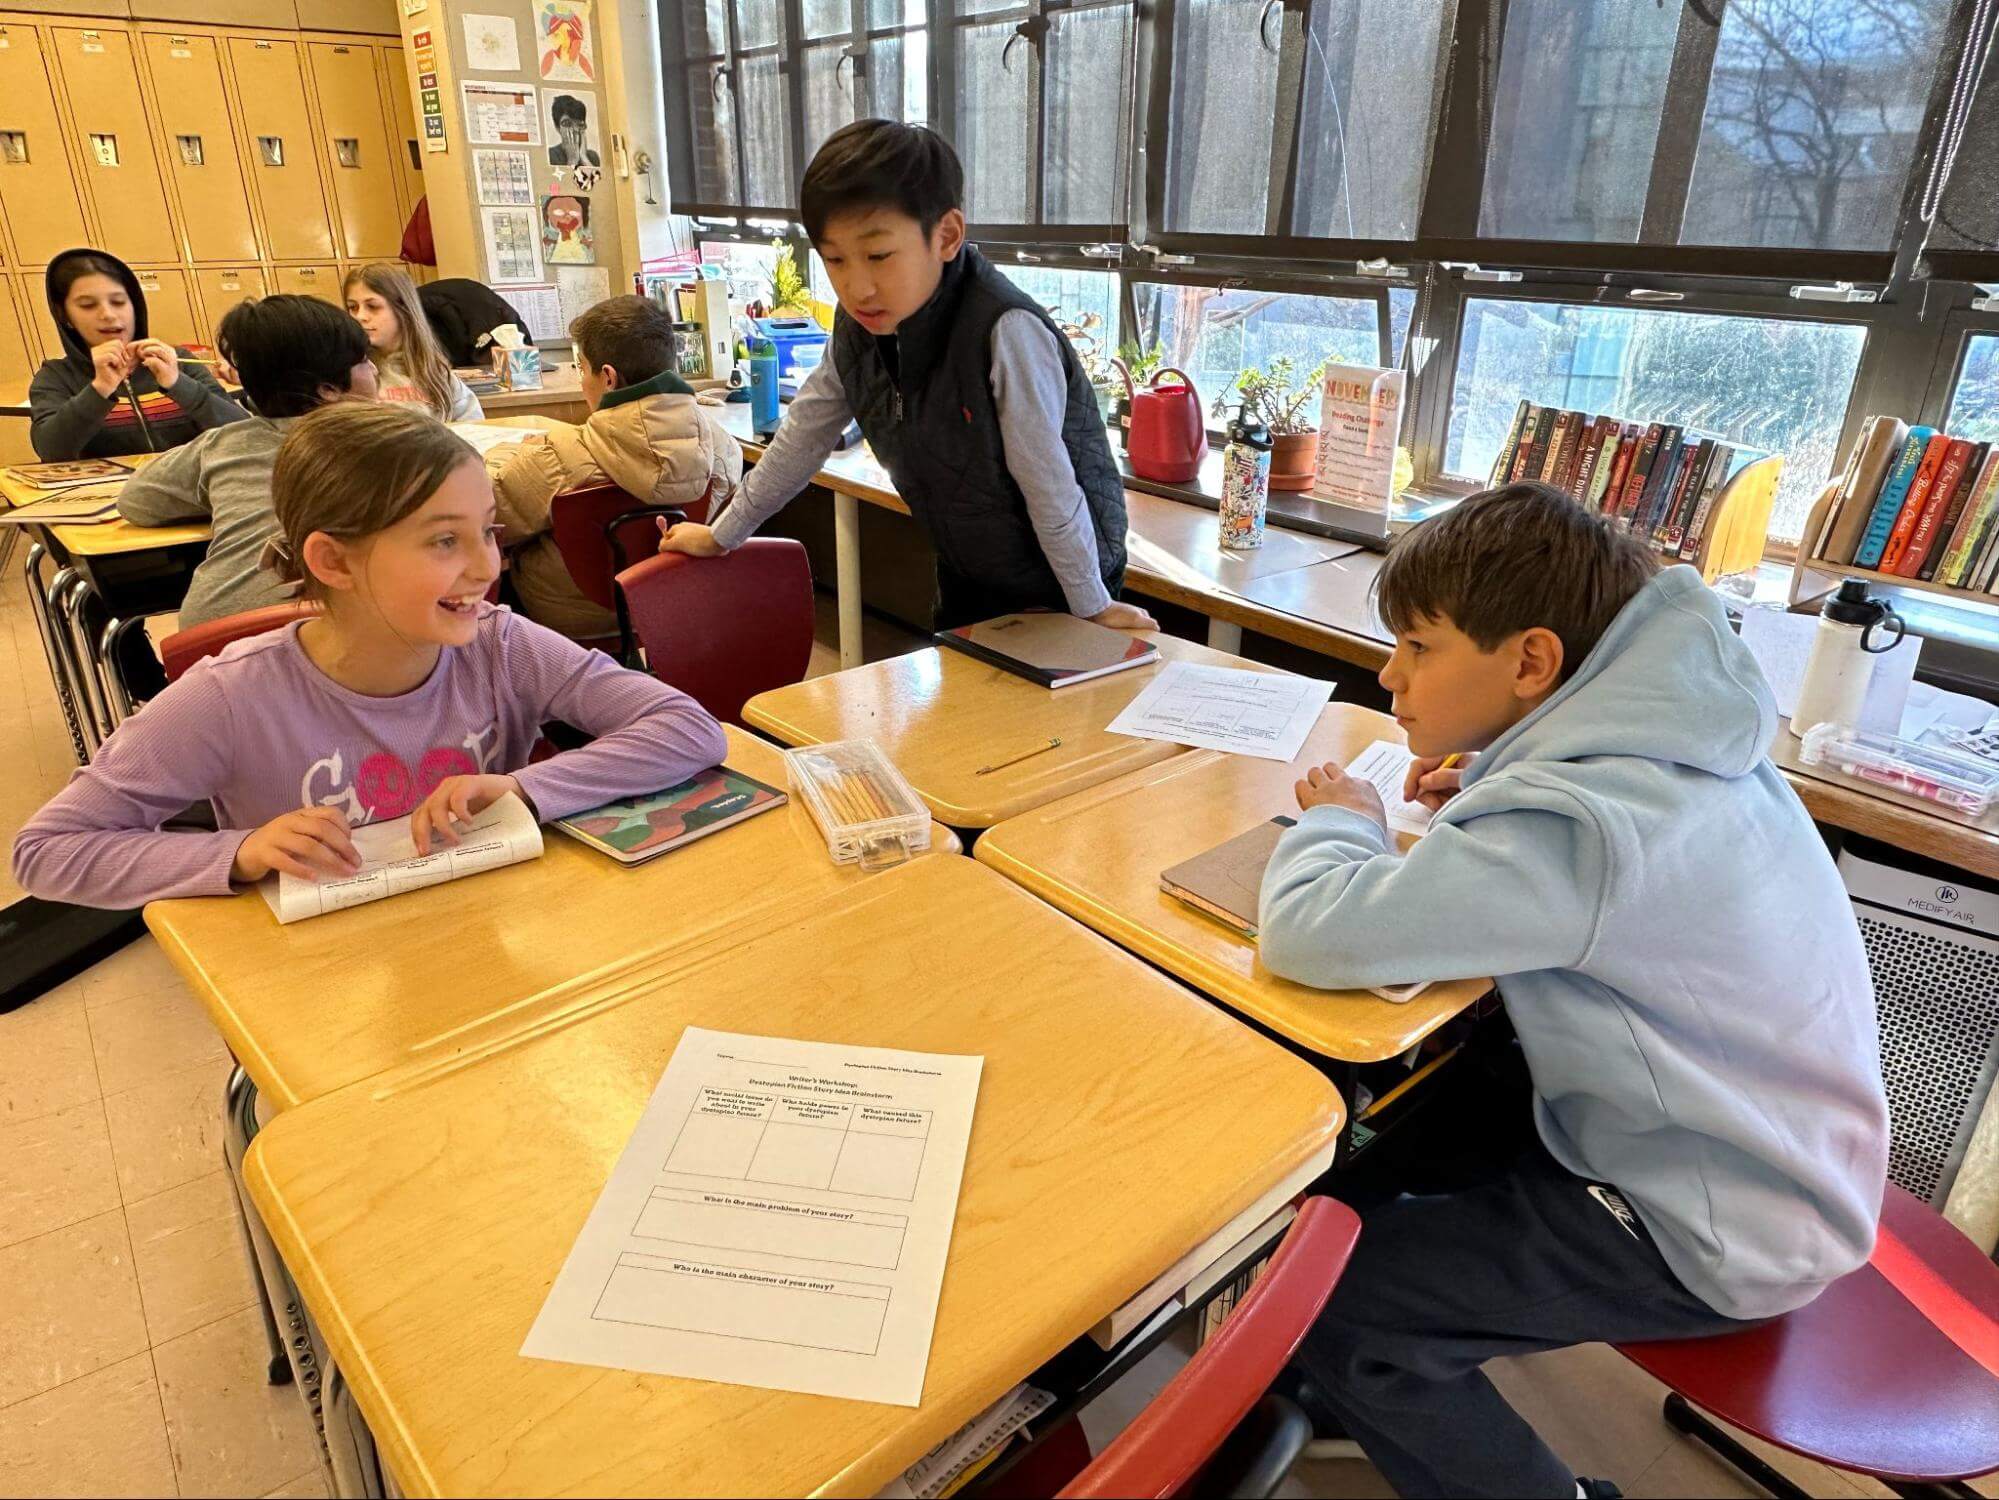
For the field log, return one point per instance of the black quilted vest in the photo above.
(931, 419)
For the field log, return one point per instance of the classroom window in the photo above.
(1213, 333)
(1041, 109)
(746, 266)
(1974, 401)
(1367, 78)
(1773, 384)
(735, 147)
(1793, 125)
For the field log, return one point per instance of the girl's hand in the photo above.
(161, 358)
(1329, 786)
(112, 361)
(1429, 782)
(458, 799)
(311, 843)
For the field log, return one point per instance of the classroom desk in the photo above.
(1121, 1122)
(1097, 856)
(940, 715)
(322, 1003)
(560, 396)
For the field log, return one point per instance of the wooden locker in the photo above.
(38, 196)
(222, 287)
(18, 357)
(200, 145)
(114, 141)
(169, 308)
(309, 281)
(355, 149)
(278, 146)
(405, 134)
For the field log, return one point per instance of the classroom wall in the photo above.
(142, 135)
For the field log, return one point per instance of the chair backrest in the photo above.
(184, 648)
(599, 530)
(723, 629)
(1167, 1444)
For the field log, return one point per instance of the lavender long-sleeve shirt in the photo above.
(260, 731)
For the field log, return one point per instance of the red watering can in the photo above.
(1169, 429)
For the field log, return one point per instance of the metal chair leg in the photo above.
(111, 652)
(357, 1470)
(70, 606)
(38, 604)
(1681, 1416)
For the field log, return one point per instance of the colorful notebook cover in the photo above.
(1054, 650)
(636, 829)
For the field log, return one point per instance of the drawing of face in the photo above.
(564, 216)
(571, 131)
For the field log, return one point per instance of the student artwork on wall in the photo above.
(511, 245)
(565, 231)
(492, 44)
(569, 124)
(563, 38)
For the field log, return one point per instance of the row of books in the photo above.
(1917, 503)
(1659, 480)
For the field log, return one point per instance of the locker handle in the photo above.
(347, 150)
(104, 148)
(13, 148)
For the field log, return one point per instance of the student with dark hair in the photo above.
(968, 393)
(293, 354)
(115, 390)
(645, 433)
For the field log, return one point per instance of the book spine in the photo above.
(1889, 504)
(1883, 441)
(1628, 434)
(1912, 505)
(1586, 459)
(1503, 465)
(1950, 510)
(1686, 490)
(1988, 525)
(1532, 437)
(1958, 543)
(1558, 437)
(1936, 505)
(1713, 486)
(1659, 483)
(1641, 475)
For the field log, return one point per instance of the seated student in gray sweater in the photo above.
(293, 354)
(1671, 942)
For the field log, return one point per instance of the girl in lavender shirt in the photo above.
(409, 697)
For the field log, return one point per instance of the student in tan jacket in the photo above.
(645, 434)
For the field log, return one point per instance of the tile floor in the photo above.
(131, 1360)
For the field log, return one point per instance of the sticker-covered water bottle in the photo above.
(1245, 482)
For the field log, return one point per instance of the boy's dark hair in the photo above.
(566, 107)
(1508, 559)
(285, 348)
(881, 164)
(630, 334)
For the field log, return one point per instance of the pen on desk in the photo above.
(1000, 765)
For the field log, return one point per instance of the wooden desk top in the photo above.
(940, 715)
(1097, 856)
(559, 395)
(112, 536)
(1120, 1122)
(322, 1003)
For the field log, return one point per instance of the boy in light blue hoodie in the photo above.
(1672, 944)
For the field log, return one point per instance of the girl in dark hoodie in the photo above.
(115, 390)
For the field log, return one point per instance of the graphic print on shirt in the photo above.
(384, 786)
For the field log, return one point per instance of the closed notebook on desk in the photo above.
(1056, 651)
(1225, 881)
(633, 830)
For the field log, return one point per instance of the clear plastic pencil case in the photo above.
(867, 812)
(1963, 783)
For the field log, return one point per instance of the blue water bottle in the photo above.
(763, 387)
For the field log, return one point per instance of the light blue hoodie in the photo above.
(1670, 938)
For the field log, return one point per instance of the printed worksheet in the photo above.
(1383, 765)
(1265, 714)
(779, 1218)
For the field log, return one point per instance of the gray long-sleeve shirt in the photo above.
(1031, 393)
(223, 476)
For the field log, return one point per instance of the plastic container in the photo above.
(790, 335)
(1963, 783)
(861, 803)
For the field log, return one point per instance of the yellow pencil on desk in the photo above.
(1054, 741)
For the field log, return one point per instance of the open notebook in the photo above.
(1224, 882)
(504, 834)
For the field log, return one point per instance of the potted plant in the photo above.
(789, 295)
(1278, 398)
(1085, 337)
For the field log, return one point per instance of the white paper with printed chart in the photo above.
(780, 1218)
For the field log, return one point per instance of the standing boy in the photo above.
(1672, 944)
(967, 392)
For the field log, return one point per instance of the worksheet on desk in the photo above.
(1265, 714)
(779, 1218)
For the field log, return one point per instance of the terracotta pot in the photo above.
(1294, 460)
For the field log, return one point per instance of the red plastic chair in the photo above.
(1214, 1428)
(600, 530)
(184, 648)
(723, 629)
(1893, 1371)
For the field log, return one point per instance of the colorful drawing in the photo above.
(568, 50)
(565, 231)
(639, 827)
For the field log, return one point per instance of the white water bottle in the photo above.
(1842, 661)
